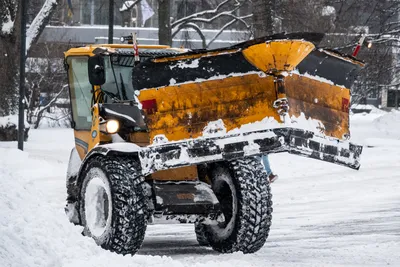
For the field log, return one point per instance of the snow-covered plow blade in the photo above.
(231, 147)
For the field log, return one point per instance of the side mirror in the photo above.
(97, 75)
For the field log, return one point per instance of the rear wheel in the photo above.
(113, 204)
(243, 191)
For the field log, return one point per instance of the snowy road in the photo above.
(324, 215)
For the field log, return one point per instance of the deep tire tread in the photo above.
(254, 216)
(129, 220)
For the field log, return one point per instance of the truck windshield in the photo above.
(118, 81)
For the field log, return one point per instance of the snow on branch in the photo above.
(209, 16)
(40, 21)
(222, 14)
(196, 28)
(226, 26)
(9, 13)
(200, 14)
(40, 112)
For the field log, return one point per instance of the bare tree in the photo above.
(45, 75)
(225, 11)
(10, 39)
(39, 112)
(164, 22)
(263, 17)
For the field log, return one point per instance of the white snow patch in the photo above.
(389, 124)
(266, 123)
(328, 10)
(215, 128)
(159, 139)
(204, 193)
(136, 97)
(8, 25)
(183, 65)
(126, 5)
(10, 120)
(172, 81)
(315, 77)
(33, 30)
(370, 108)
(251, 148)
(123, 147)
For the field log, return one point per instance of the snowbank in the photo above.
(10, 120)
(369, 108)
(389, 124)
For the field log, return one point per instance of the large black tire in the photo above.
(243, 191)
(113, 204)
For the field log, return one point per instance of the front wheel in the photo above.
(113, 205)
(243, 191)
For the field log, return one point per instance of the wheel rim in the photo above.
(97, 205)
(224, 196)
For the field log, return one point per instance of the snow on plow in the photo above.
(178, 133)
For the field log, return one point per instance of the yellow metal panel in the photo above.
(95, 131)
(140, 138)
(278, 55)
(184, 110)
(320, 101)
(179, 174)
(82, 142)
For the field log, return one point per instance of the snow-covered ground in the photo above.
(324, 215)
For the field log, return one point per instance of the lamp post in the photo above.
(111, 21)
(22, 59)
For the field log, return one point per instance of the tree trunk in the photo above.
(263, 17)
(8, 74)
(164, 23)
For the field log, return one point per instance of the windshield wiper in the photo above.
(123, 89)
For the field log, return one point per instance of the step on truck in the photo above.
(173, 134)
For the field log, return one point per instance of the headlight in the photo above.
(112, 126)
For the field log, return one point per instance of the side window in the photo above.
(81, 92)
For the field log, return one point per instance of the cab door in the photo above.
(81, 101)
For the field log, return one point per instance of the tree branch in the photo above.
(226, 26)
(39, 114)
(196, 28)
(199, 14)
(40, 22)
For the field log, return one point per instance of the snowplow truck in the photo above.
(171, 134)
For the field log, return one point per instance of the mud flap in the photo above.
(190, 198)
